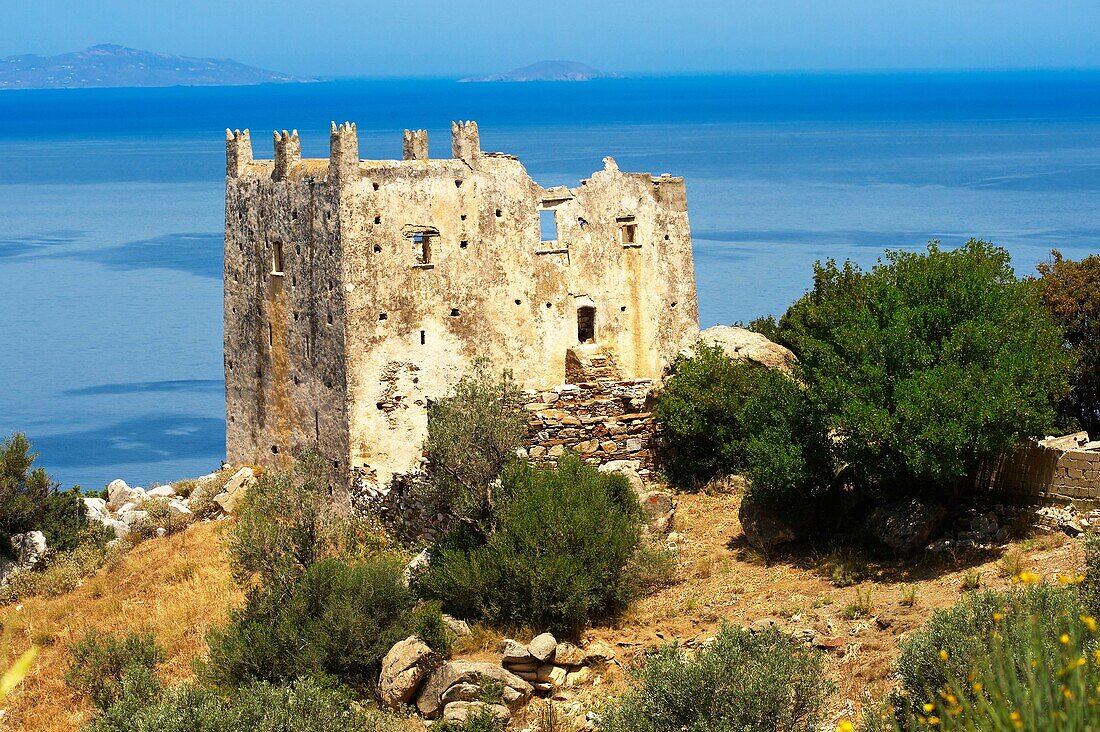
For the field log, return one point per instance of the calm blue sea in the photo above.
(111, 211)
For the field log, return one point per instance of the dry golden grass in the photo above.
(176, 587)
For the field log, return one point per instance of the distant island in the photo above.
(109, 65)
(548, 71)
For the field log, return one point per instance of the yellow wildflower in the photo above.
(928, 707)
(997, 616)
(978, 687)
(1027, 578)
(1090, 622)
(933, 721)
(1064, 638)
(943, 655)
(845, 726)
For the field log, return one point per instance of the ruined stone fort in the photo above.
(357, 291)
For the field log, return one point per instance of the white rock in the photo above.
(161, 491)
(177, 506)
(119, 494)
(542, 646)
(234, 489)
(403, 668)
(742, 343)
(121, 528)
(418, 564)
(132, 517)
(94, 508)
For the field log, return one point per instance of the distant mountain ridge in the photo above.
(548, 71)
(110, 65)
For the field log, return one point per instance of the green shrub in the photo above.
(107, 668)
(301, 706)
(1017, 660)
(282, 527)
(1071, 292)
(720, 416)
(339, 620)
(749, 682)
(927, 366)
(1090, 588)
(58, 573)
(23, 491)
(558, 558)
(472, 435)
(482, 720)
(985, 625)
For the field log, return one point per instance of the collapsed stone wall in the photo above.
(602, 421)
(1056, 469)
(605, 422)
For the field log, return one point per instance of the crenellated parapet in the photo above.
(415, 145)
(238, 152)
(465, 141)
(343, 150)
(288, 151)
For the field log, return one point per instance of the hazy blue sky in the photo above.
(416, 37)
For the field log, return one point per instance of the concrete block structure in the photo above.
(356, 291)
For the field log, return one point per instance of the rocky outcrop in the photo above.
(431, 700)
(763, 527)
(904, 526)
(548, 665)
(30, 549)
(403, 668)
(747, 345)
(234, 489)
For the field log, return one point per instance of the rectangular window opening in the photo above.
(277, 258)
(421, 337)
(629, 233)
(548, 226)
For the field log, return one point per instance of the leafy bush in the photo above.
(338, 620)
(301, 706)
(106, 668)
(983, 626)
(1071, 292)
(557, 559)
(743, 681)
(1016, 660)
(59, 573)
(472, 435)
(721, 416)
(1090, 587)
(481, 720)
(927, 366)
(282, 527)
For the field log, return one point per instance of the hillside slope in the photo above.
(176, 587)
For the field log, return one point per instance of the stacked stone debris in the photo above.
(601, 421)
(549, 665)
(401, 505)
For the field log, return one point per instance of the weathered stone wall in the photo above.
(284, 342)
(601, 421)
(1051, 470)
(411, 269)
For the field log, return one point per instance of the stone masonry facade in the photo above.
(357, 291)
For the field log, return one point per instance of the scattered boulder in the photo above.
(726, 485)
(234, 489)
(133, 516)
(460, 692)
(746, 345)
(178, 508)
(403, 669)
(567, 654)
(597, 652)
(121, 528)
(514, 652)
(578, 677)
(161, 491)
(763, 527)
(30, 548)
(429, 700)
(627, 468)
(660, 508)
(542, 646)
(119, 494)
(418, 564)
(904, 526)
(460, 628)
(94, 508)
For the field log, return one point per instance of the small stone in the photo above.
(578, 677)
(598, 652)
(514, 652)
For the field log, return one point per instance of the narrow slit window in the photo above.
(629, 234)
(277, 258)
(586, 324)
(422, 337)
(548, 226)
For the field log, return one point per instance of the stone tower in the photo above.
(356, 291)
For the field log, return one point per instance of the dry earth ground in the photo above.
(180, 586)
